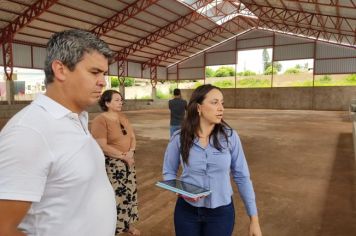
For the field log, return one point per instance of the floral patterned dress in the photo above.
(119, 134)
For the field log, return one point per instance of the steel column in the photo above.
(7, 56)
(153, 76)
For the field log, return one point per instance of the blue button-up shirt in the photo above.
(210, 168)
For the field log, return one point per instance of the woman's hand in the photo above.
(128, 159)
(130, 154)
(189, 198)
(255, 229)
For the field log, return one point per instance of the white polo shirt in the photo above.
(49, 158)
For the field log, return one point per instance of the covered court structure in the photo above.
(298, 140)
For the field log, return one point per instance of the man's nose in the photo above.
(102, 81)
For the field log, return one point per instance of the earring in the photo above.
(199, 113)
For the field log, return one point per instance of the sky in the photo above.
(252, 60)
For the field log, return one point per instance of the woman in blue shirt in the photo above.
(208, 150)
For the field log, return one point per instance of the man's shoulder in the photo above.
(32, 116)
(177, 100)
(25, 114)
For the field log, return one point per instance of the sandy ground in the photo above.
(301, 163)
(302, 167)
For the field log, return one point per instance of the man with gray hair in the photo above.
(52, 172)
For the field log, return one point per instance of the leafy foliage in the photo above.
(351, 78)
(209, 72)
(293, 70)
(224, 83)
(246, 73)
(129, 81)
(225, 71)
(270, 70)
(114, 81)
(325, 78)
(266, 59)
(252, 82)
(197, 84)
(161, 95)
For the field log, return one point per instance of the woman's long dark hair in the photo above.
(191, 123)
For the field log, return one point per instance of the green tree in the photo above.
(270, 70)
(351, 78)
(248, 73)
(225, 71)
(277, 67)
(129, 82)
(114, 81)
(293, 70)
(224, 84)
(266, 59)
(209, 72)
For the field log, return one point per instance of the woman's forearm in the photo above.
(113, 152)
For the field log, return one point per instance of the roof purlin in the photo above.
(268, 15)
(24, 19)
(122, 16)
(211, 33)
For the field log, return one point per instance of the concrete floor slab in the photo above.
(301, 162)
(302, 167)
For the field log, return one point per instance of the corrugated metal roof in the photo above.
(163, 32)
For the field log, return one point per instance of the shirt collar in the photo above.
(54, 108)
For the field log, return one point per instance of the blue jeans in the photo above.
(174, 128)
(201, 221)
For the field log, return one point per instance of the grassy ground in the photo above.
(284, 80)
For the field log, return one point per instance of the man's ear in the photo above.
(59, 70)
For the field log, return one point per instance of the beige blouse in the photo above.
(111, 130)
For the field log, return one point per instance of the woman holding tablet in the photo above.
(208, 150)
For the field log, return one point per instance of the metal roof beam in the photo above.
(24, 19)
(265, 13)
(197, 40)
(307, 32)
(166, 30)
(122, 16)
(342, 3)
(8, 33)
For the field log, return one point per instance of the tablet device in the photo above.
(187, 189)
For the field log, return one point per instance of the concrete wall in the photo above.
(7, 111)
(306, 98)
(318, 98)
(131, 105)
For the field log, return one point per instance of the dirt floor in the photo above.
(302, 167)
